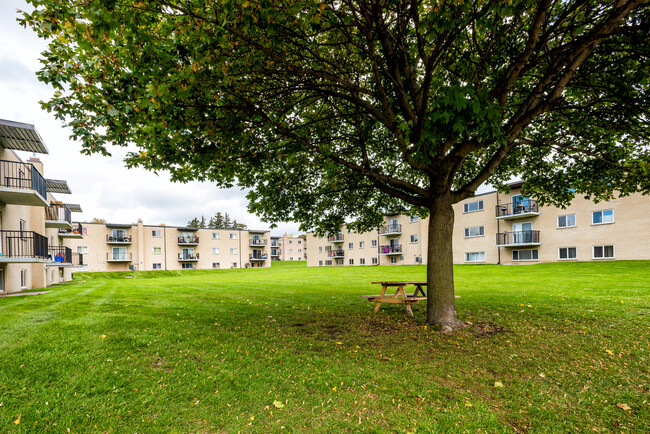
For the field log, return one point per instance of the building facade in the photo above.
(288, 248)
(499, 228)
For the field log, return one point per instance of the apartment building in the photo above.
(32, 255)
(499, 228)
(123, 247)
(288, 248)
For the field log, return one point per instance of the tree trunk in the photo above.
(441, 303)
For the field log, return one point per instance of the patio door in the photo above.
(394, 225)
(522, 232)
(188, 253)
(520, 204)
(119, 253)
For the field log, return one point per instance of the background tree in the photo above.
(330, 111)
(194, 223)
(216, 221)
(98, 220)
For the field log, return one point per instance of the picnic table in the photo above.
(400, 295)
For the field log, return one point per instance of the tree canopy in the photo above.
(335, 111)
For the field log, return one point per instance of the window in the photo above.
(413, 219)
(373, 243)
(215, 235)
(233, 250)
(82, 249)
(187, 265)
(216, 265)
(351, 261)
(233, 236)
(23, 279)
(362, 244)
(418, 259)
(473, 206)
(216, 250)
(299, 250)
(156, 233)
(290, 250)
(567, 253)
(603, 252)
(157, 266)
(350, 246)
(299, 242)
(234, 265)
(120, 234)
(374, 261)
(525, 255)
(393, 260)
(290, 241)
(119, 253)
(475, 257)
(328, 262)
(474, 231)
(291, 258)
(320, 263)
(566, 221)
(600, 217)
(414, 238)
(157, 250)
(320, 249)
(362, 261)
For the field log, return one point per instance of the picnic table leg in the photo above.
(381, 296)
(407, 306)
(418, 289)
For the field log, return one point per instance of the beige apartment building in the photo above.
(288, 248)
(499, 228)
(32, 254)
(124, 247)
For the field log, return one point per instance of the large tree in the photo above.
(344, 110)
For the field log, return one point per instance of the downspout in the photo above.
(165, 246)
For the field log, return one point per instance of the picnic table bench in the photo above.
(400, 295)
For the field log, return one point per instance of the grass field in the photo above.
(552, 347)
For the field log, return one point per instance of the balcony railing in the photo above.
(521, 238)
(22, 176)
(336, 253)
(188, 240)
(75, 232)
(188, 256)
(274, 243)
(119, 256)
(23, 244)
(521, 208)
(256, 257)
(390, 250)
(390, 229)
(125, 239)
(56, 212)
(257, 242)
(338, 238)
(61, 254)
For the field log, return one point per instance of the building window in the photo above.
(473, 206)
(393, 260)
(299, 250)
(215, 235)
(216, 265)
(600, 217)
(362, 261)
(320, 249)
(156, 233)
(216, 250)
(328, 262)
(474, 231)
(233, 250)
(23, 279)
(233, 236)
(234, 265)
(351, 261)
(82, 249)
(320, 263)
(603, 252)
(374, 261)
(350, 246)
(525, 255)
(567, 253)
(187, 265)
(418, 259)
(413, 219)
(299, 242)
(373, 243)
(157, 250)
(474, 256)
(290, 241)
(566, 221)
(157, 266)
(414, 238)
(290, 250)
(291, 258)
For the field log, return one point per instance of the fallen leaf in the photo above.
(541, 374)
(498, 384)
(339, 343)
(103, 336)
(17, 421)
(468, 404)
(623, 406)
(610, 352)
(334, 388)
(278, 404)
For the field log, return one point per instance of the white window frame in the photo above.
(82, 249)
(23, 279)
(413, 219)
(417, 239)
(602, 216)
(215, 235)
(468, 232)
(233, 235)
(480, 206)
(350, 246)
(375, 261)
(593, 252)
(154, 252)
(525, 250)
(320, 249)
(468, 257)
(156, 266)
(233, 250)
(362, 245)
(575, 221)
(373, 243)
(156, 233)
(320, 263)
(559, 258)
(362, 261)
(216, 265)
(351, 261)
(216, 251)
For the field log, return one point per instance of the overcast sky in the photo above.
(101, 185)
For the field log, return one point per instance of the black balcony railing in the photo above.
(188, 240)
(337, 237)
(77, 230)
(118, 239)
(257, 257)
(14, 174)
(61, 254)
(522, 207)
(257, 242)
(58, 213)
(514, 238)
(390, 229)
(336, 253)
(119, 256)
(23, 244)
(188, 256)
(395, 248)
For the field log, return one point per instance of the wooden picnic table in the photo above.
(400, 295)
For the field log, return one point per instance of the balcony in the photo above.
(188, 241)
(389, 230)
(255, 257)
(518, 239)
(61, 256)
(188, 257)
(395, 249)
(58, 216)
(254, 242)
(72, 233)
(275, 252)
(338, 238)
(119, 257)
(523, 208)
(23, 246)
(124, 239)
(21, 184)
(336, 253)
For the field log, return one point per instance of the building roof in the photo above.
(74, 207)
(57, 186)
(187, 229)
(21, 137)
(118, 225)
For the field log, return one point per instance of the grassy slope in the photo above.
(205, 351)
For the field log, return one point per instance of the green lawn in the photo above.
(297, 348)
